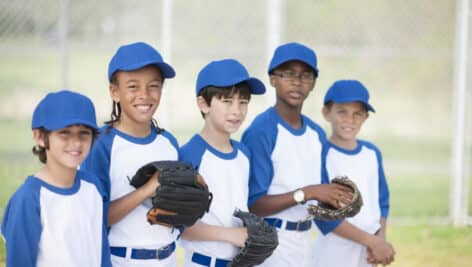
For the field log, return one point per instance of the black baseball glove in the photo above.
(182, 196)
(262, 240)
(326, 212)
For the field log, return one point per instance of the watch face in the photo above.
(299, 196)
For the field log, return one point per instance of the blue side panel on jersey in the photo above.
(171, 138)
(384, 194)
(192, 151)
(260, 139)
(325, 226)
(98, 160)
(321, 133)
(243, 148)
(21, 226)
(324, 171)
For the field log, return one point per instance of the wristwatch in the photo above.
(299, 196)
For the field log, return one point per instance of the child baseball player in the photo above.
(223, 92)
(286, 158)
(128, 141)
(361, 239)
(57, 217)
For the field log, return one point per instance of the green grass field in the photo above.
(418, 174)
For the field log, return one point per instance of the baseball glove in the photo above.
(326, 212)
(182, 197)
(261, 241)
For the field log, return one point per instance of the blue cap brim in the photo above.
(67, 123)
(347, 100)
(166, 70)
(293, 58)
(257, 87)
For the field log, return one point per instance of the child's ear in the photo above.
(325, 111)
(203, 105)
(113, 88)
(39, 137)
(273, 80)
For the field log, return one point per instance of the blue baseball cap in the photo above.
(294, 51)
(344, 91)
(64, 108)
(227, 72)
(135, 56)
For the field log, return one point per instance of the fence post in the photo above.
(63, 42)
(274, 29)
(459, 183)
(166, 39)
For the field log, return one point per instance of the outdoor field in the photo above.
(404, 53)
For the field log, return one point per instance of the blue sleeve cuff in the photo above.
(253, 199)
(327, 227)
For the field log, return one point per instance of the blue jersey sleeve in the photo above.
(260, 145)
(192, 152)
(325, 226)
(384, 194)
(172, 139)
(98, 163)
(324, 170)
(21, 228)
(321, 133)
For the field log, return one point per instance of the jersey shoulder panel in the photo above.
(171, 138)
(316, 127)
(192, 151)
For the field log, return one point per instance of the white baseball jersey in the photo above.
(284, 159)
(226, 175)
(115, 158)
(45, 225)
(364, 166)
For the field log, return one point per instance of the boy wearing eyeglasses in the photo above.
(286, 148)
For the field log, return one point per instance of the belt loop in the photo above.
(128, 253)
(283, 224)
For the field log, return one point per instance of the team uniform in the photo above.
(115, 158)
(226, 175)
(363, 165)
(45, 225)
(284, 159)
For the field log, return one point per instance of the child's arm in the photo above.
(382, 233)
(21, 230)
(261, 144)
(205, 232)
(328, 193)
(120, 207)
(378, 248)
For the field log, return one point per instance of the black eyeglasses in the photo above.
(290, 76)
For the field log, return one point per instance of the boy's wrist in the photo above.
(308, 192)
(235, 235)
(369, 240)
(299, 196)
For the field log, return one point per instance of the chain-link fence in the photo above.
(402, 50)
